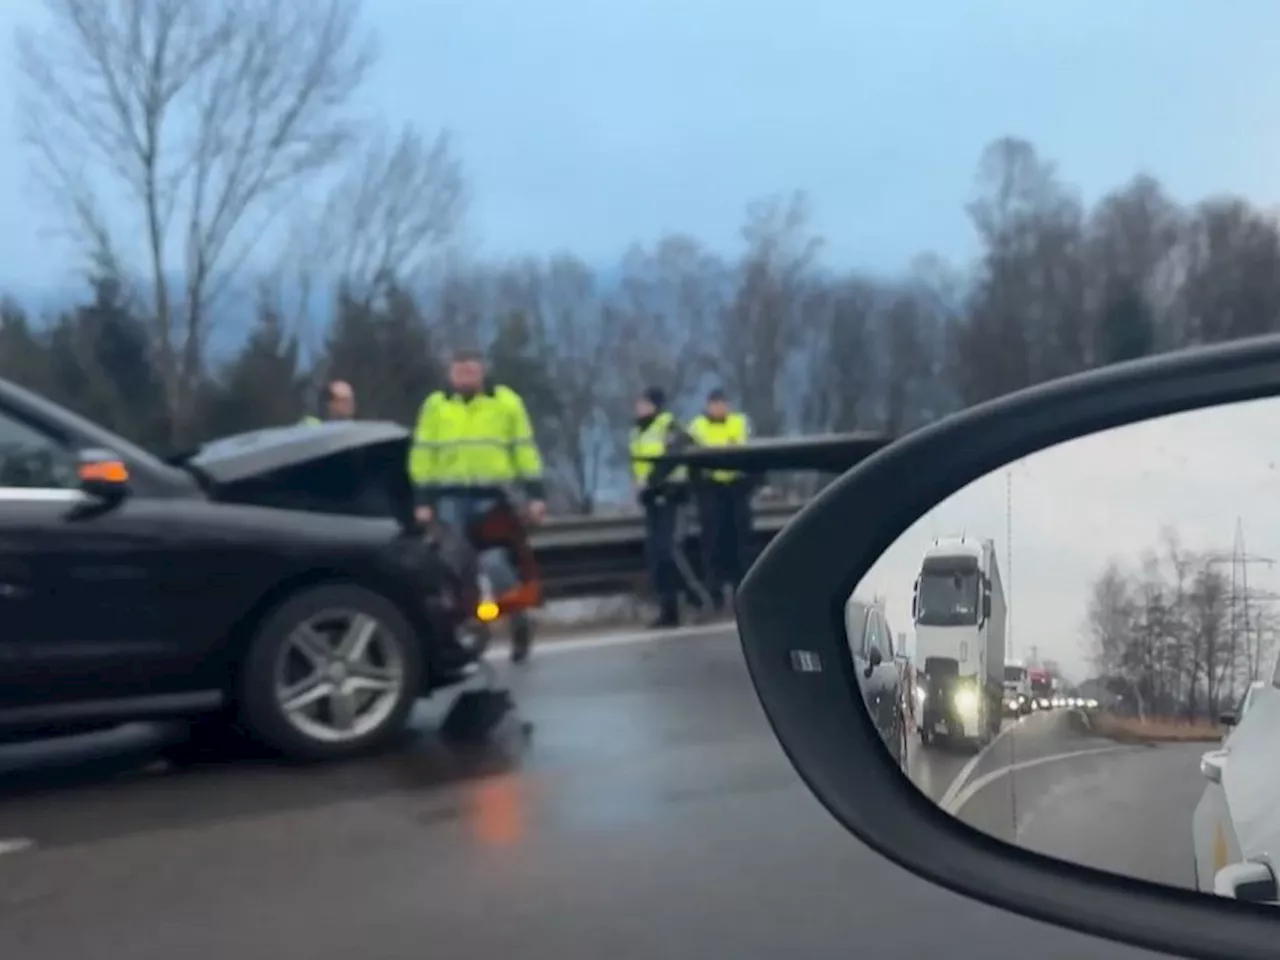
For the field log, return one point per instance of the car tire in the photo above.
(265, 718)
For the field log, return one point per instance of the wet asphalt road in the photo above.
(1052, 787)
(652, 815)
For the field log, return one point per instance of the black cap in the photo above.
(716, 394)
(656, 395)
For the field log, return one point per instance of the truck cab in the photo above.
(1017, 690)
(958, 607)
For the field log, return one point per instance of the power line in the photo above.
(1240, 596)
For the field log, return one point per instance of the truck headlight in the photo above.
(966, 702)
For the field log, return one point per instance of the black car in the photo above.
(274, 580)
(879, 674)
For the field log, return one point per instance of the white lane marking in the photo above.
(606, 641)
(958, 783)
(957, 802)
(16, 845)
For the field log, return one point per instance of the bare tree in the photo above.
(670, 306)
(760, 331)
(205, 120)
(840, 368)
(391, 214)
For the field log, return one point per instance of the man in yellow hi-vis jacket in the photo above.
(724, 501)
(474, 441)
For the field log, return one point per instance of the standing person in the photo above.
(337, 401)
(661, 490)
(474, 440)
(724, 501)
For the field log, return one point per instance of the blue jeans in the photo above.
(455, 512)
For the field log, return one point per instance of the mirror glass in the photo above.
(1076, 654)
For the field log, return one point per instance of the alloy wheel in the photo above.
(339, 675)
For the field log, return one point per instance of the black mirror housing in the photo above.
(790, 611)
(1228, 718)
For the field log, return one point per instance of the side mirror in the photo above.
(102, 475)
(872, 531)
(874, 659)
(986, 606)
(1228, 719)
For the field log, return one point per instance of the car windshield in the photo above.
(948, 592)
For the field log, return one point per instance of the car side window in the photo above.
(887, 632)
(855, 618)
(32, 460)
(875, 634)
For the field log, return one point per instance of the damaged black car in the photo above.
(274, 581)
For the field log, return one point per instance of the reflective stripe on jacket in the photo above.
(733, 430)
(484, 440)
(310, 421)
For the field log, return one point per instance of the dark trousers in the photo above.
(664, 558)
(724, 521)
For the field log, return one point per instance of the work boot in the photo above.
(668, 616)
(521, 637)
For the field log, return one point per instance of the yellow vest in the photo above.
(481, 441)
(732, 431)
(652, 442)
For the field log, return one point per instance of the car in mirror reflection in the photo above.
(880, 674)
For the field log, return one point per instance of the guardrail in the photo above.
(596, 556)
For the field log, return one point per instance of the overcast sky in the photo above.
(1077, 505)
(587, 124)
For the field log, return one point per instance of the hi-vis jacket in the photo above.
(461, 443)
(662, 434)
(310, 420)
(731, 431)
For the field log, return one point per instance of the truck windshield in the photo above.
(948, 595)
(1014, 674)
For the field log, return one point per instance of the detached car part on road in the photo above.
(274, 580)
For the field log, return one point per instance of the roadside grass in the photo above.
(1152, 730)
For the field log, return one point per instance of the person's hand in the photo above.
(424, 515)
(537, 511)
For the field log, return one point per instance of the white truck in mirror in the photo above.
(958, 606)
(1017, 690)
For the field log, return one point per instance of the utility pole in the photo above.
(1240, 597)
(1008, 556)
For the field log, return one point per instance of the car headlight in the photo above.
(966, 702)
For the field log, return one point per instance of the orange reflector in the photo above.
(104, 471)
(487, 611)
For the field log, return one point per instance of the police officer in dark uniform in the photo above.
(662, 491)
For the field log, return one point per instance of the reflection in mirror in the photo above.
(1087, 663)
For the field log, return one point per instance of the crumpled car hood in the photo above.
(353, 467)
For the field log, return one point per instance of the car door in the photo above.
(878, 685)
(74, 582)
